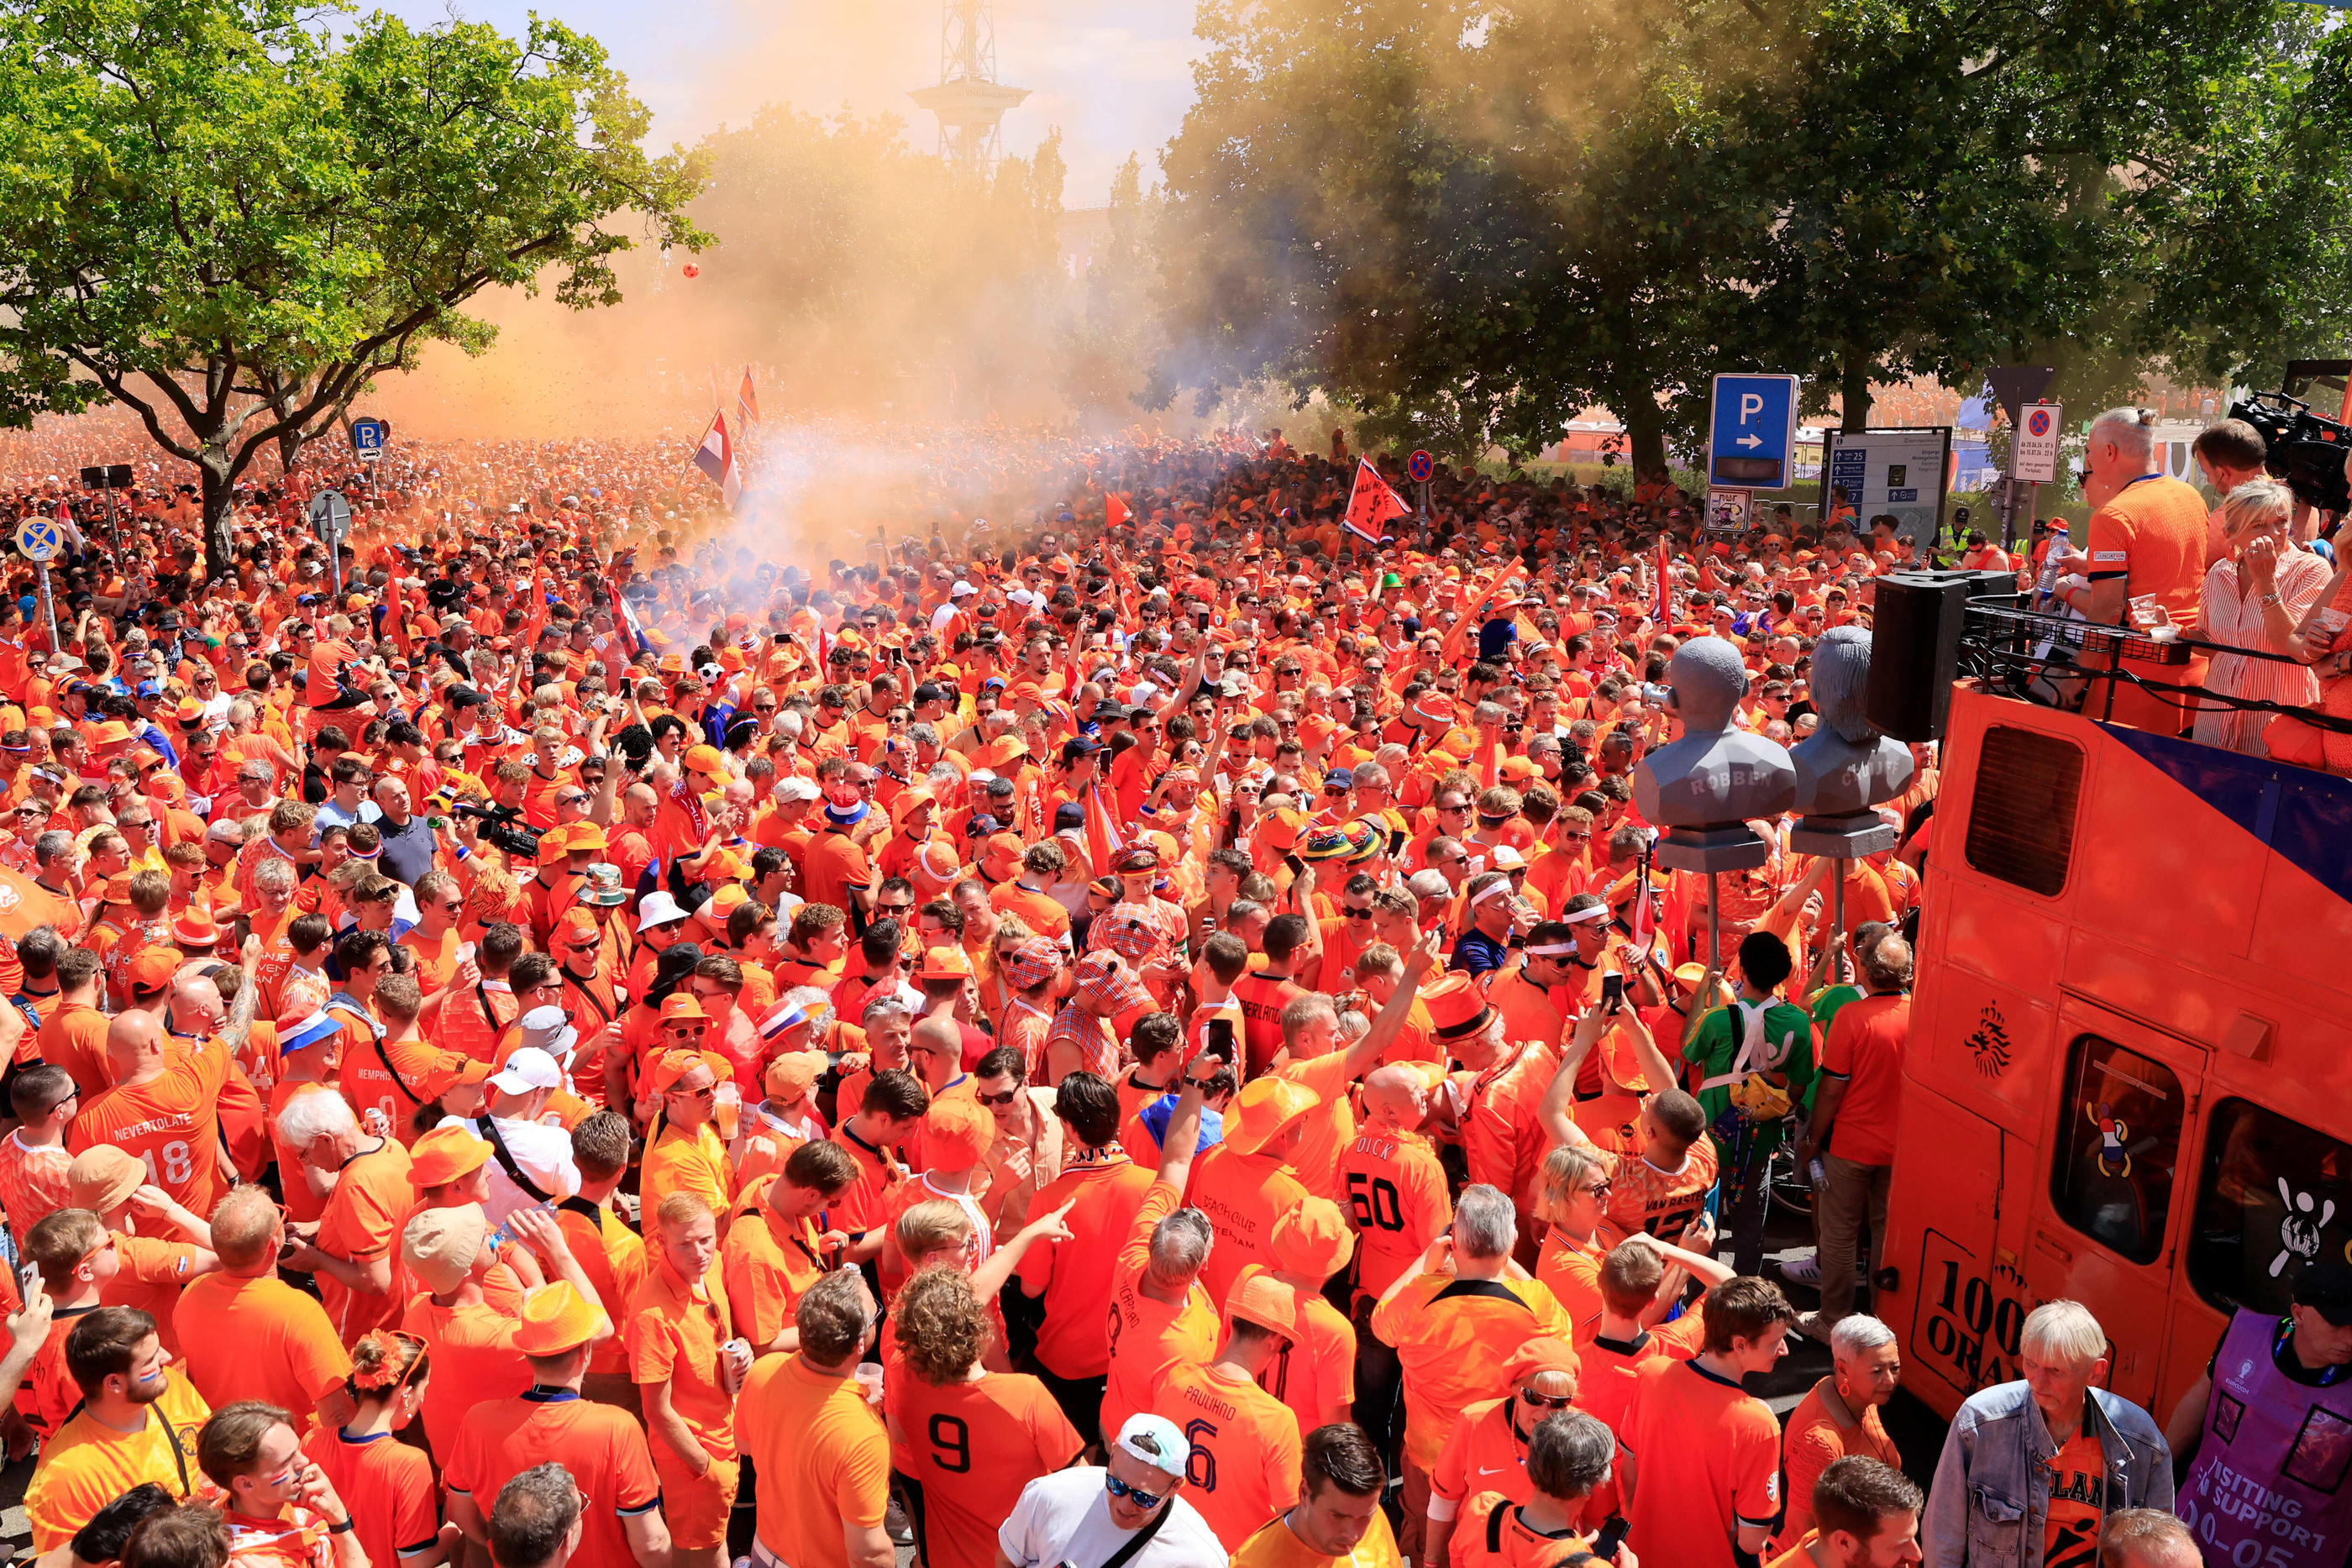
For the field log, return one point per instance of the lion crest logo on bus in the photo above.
(2298, 1232)
(1990, 1044)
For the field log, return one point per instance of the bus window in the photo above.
(2022, 818)
(2274, 1196)
(2118, 1144)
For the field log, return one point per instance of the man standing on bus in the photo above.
(2032, 1468)
(2266, 1427)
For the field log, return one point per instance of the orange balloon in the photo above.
(692, 270)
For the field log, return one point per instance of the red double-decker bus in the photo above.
(2129, 1074)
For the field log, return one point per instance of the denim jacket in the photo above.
(1989, 1506)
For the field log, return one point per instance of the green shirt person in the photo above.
(1757, 1037)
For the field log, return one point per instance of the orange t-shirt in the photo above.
(769, 1264)
(1713, 1454)
(258, 1338)
(388, 1486)
(372, 1200)
(1396, 1194)
(1074, 1341)
(1148, 1336)
(1572, 1271)
(1656, 1202)
(1242, 1195)
(171, 1121)
(820, 1457)
(1452, 1338)
(972, 1447)
(1815, 1439)
(613, 1256)
(2078, 1491)
(1864, 1048)
(675, 1331)
(1491, 1534)
(474, 1361)
(604, 1447)
(74, 1038)
(1244, 1465)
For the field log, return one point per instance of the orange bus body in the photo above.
(2130, 1077)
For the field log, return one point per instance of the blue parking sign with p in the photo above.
(1752, 436)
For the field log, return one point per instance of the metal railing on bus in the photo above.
(2057, 659)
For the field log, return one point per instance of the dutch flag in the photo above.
(773, 1026)
(716, 457)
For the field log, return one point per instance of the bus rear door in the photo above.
(2111, 1209)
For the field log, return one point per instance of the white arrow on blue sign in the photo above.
(1752, 436)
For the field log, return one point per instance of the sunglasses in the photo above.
(1534, 1401)
(1146, 1500)
(1353, 912)
(1006, 1098)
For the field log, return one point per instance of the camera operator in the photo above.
(2146, 540)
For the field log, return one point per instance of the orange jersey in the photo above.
(1245, 1466)
(972, 1448)
(1107, 1191)
(604, 1447)
(1148, 1336)
(388, 1486)
(1242, 1195)
(1452, 1337)
(172, 1123)
(1491, 1534)
(1713, 1454)
(1660, 1203)
(1396, 1196)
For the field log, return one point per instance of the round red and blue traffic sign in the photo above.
(1419, 466)
(2037, 423)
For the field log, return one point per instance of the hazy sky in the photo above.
(1113, 74)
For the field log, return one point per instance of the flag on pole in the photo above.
(1115, 512)
(1663, 608)
(1103, 838)
(716, 457)
(1371, 504)
(632, 625)
(746, 401)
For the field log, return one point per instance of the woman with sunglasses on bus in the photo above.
(388, 1482)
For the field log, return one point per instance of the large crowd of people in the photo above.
(1144, 1031)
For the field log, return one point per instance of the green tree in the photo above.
(230, 214)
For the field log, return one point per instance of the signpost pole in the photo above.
(50, 611)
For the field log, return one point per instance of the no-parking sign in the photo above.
(2035, 454)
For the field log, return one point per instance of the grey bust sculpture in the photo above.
(1846, 768)
(1705, 787)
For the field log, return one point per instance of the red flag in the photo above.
(747, 399)
(1371, 504)
(1103, 838)
(1115, 512)
(1663, 610)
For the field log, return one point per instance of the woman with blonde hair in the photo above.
(2255, 598)
(1572, 1197)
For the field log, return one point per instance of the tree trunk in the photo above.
(1854, 389)
(218, 497)
(1645, 435)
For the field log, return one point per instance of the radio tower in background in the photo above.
(970, 101)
